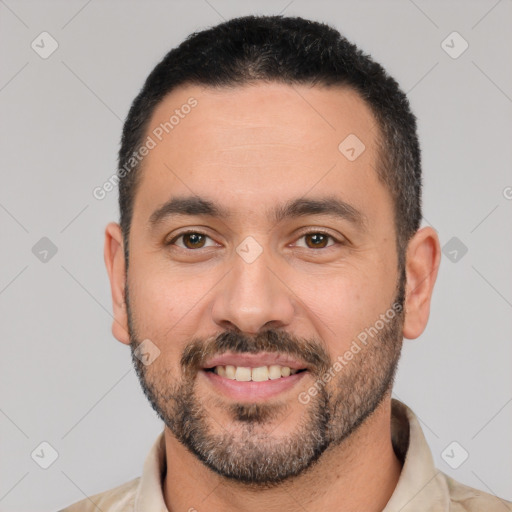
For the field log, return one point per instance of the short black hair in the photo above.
(289, 50)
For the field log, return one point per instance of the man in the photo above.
(268, 263)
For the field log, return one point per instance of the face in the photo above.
(263, 267)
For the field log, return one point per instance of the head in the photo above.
(272, 220)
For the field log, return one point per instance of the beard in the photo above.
(246, 449)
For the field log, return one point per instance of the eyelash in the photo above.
(312, 232)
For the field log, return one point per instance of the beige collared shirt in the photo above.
(421, 487)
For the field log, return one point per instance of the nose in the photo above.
(252, 297)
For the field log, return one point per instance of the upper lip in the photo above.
(255, 360)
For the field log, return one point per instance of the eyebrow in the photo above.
(300, 207)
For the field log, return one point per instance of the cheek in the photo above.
(151, 300)
(344, 304)
(171, 306)
(163, 296)
(156, 317)
(163, 310)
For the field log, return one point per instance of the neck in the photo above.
(337, 482)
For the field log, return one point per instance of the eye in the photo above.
(191, 240)
(317, 240)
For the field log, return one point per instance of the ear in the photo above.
(114, 261)
(422, 264)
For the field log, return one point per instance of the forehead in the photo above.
(257, 141)
(297, 116)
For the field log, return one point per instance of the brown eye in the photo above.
(317, 240)
(191, 240)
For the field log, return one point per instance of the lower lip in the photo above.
(252, 391)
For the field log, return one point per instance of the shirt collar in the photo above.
(150, 492)
(421, 486)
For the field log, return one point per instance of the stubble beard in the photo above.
(245, 449)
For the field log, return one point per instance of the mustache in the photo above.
(199, 351)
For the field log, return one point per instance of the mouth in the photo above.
(258, 374)
(253, 377)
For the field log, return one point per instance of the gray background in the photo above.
(65, 380)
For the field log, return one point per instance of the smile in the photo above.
(253, 377)
(259, 374)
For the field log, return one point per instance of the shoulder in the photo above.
(118, 499)
(467, 499)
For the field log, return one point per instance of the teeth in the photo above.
(259, 374)
(230, 372)
(243, 374)
(274, 371)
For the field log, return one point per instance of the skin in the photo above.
(249, 148)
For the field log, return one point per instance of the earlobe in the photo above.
(114, 261)
(422, 264)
